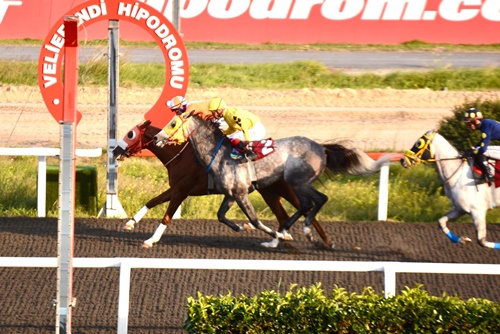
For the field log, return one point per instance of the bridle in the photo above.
(415, 158)
(139, 145)
(180, 128)
(424, 145)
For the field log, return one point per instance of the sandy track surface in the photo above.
(371, 119)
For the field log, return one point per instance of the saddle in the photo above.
(261, 148)
(479, 174)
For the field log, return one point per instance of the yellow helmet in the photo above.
(216, 103)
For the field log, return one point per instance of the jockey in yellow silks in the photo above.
(243, 126)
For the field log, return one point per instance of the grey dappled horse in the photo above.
(188, 178)
(459, 184)
(298, 160)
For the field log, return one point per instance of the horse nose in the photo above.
(119, 152)
(403, 163)
(160, 138)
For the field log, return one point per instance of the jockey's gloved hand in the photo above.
(468, 153)
(243, 145)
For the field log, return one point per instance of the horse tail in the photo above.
(352, 161)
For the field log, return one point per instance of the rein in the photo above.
(215, 154)
(177, 155)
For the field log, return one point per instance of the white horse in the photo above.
(460, 186)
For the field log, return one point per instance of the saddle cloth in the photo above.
(262, 147)
(478, 173)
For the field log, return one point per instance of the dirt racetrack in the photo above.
(372, 119)
(158, 296)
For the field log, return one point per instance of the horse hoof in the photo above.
(147, 245)
(129, 226)
(248, 227)
(271, 244)
(465, 240)
(308, 233)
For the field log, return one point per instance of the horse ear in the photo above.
(146, 123)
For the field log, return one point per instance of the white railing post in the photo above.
(42, 171)
(124, 297)
(389, 281)
(383, 192)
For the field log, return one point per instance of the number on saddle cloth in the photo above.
(262, 147)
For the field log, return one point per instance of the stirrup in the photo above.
(251, 155)
(238, 157)
(485, 179)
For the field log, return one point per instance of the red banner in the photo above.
(285, 21)
(146, 19)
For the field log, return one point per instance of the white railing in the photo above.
(126, 264)
(42, 154)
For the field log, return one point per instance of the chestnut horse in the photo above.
(188, 178)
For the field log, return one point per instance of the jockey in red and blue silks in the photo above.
(490, 130)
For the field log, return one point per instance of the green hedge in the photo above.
(308, 310)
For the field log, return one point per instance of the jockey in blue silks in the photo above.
(490, 130)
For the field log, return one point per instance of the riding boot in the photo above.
(251, 155)
(487, 173)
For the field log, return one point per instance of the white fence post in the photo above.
(389, 281)
(124, 297)
(41, 197)
(383, 192)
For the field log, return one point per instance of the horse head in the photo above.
(422, 151)
(133, 142)
(174, 132)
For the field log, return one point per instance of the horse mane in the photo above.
(444, 140)
(207, 124)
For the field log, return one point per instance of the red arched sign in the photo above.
(146, 17)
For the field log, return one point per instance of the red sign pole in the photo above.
(67, 178)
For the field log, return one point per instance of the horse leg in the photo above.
(226, 204)
(283, 189)
(311, 201)
(320, 200)
(249, 211)
(454, 213)
(176, 200)
(273, 200)
(479, 220)
(162, 198)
